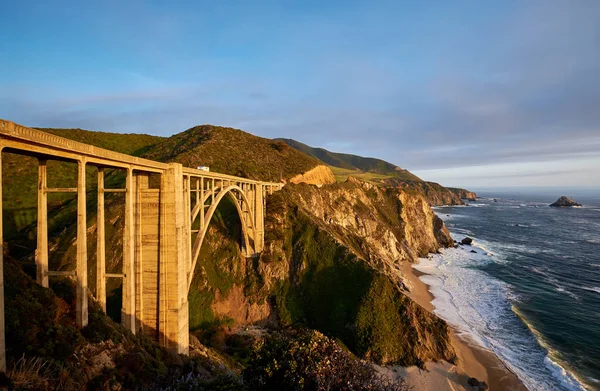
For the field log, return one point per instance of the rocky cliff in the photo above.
(382, 225)
(332, 262)
(463, 194)
(434, 193)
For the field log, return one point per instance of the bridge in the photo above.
(168, 209)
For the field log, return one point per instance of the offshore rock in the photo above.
(467, 241)
(565, 202)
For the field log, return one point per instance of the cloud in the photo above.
(520, 85)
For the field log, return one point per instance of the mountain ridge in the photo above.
(380, 171)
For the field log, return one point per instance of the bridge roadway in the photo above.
(168, 208)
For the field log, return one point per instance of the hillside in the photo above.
(352, 164)
(129, 143)
(235, 152)
(378, 171)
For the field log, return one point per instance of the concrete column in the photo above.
(141, 183)
(100, 244)
(259, 222)
(174, 315)
(41, 254)
(128, 307)
(187, 181)
(203, 201)
(2, 330)
(81, 308)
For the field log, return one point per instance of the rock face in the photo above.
(463, 194)
(434, 193)
(383, 226)
(319, 175)
(564, 202)
(333, 262)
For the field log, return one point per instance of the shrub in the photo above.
(307, 360)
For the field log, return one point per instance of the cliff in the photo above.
(434, 193)
(333, 257)
(463, 194)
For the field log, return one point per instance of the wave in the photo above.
(560, 289)
(592, 288)
(480, 306)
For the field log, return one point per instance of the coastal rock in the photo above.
(467, 240)
(477, 385)
(564, 202)
(463, 194)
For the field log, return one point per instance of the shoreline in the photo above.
(473, 359)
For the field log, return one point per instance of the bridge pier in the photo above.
(174, 314)
(128, 305)
(41, 254)
(81, 295)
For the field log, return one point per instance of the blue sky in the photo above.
(467, 93)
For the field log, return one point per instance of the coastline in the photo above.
(473, 359)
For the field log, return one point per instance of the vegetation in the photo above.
(352, 164)
(341, 174)
(233, 152)
(129, 143)
(308, 360)
(331, 290)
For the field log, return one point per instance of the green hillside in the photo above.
(235, 152)
(353, 165)
(129, 143)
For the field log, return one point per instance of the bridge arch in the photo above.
(246, 218)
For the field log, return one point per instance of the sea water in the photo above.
(530, 291)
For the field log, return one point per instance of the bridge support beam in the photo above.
(100, 244)
(81, 306)
(174, 314)
(41, 254)
(259, 221)
(128, 307)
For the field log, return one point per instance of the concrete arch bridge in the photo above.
(168, 208)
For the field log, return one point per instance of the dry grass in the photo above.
(341, 174)
(30, 372)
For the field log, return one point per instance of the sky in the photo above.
(465, 93)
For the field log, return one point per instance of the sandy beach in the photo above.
(473, 360)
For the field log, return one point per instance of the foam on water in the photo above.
(481, 306)
(592, 288)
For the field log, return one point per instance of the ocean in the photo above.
(530, 291)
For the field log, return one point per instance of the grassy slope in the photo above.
(235, 152)
(346, 164)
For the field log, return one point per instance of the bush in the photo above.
(307, 360)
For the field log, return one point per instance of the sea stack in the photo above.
(565, 201)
